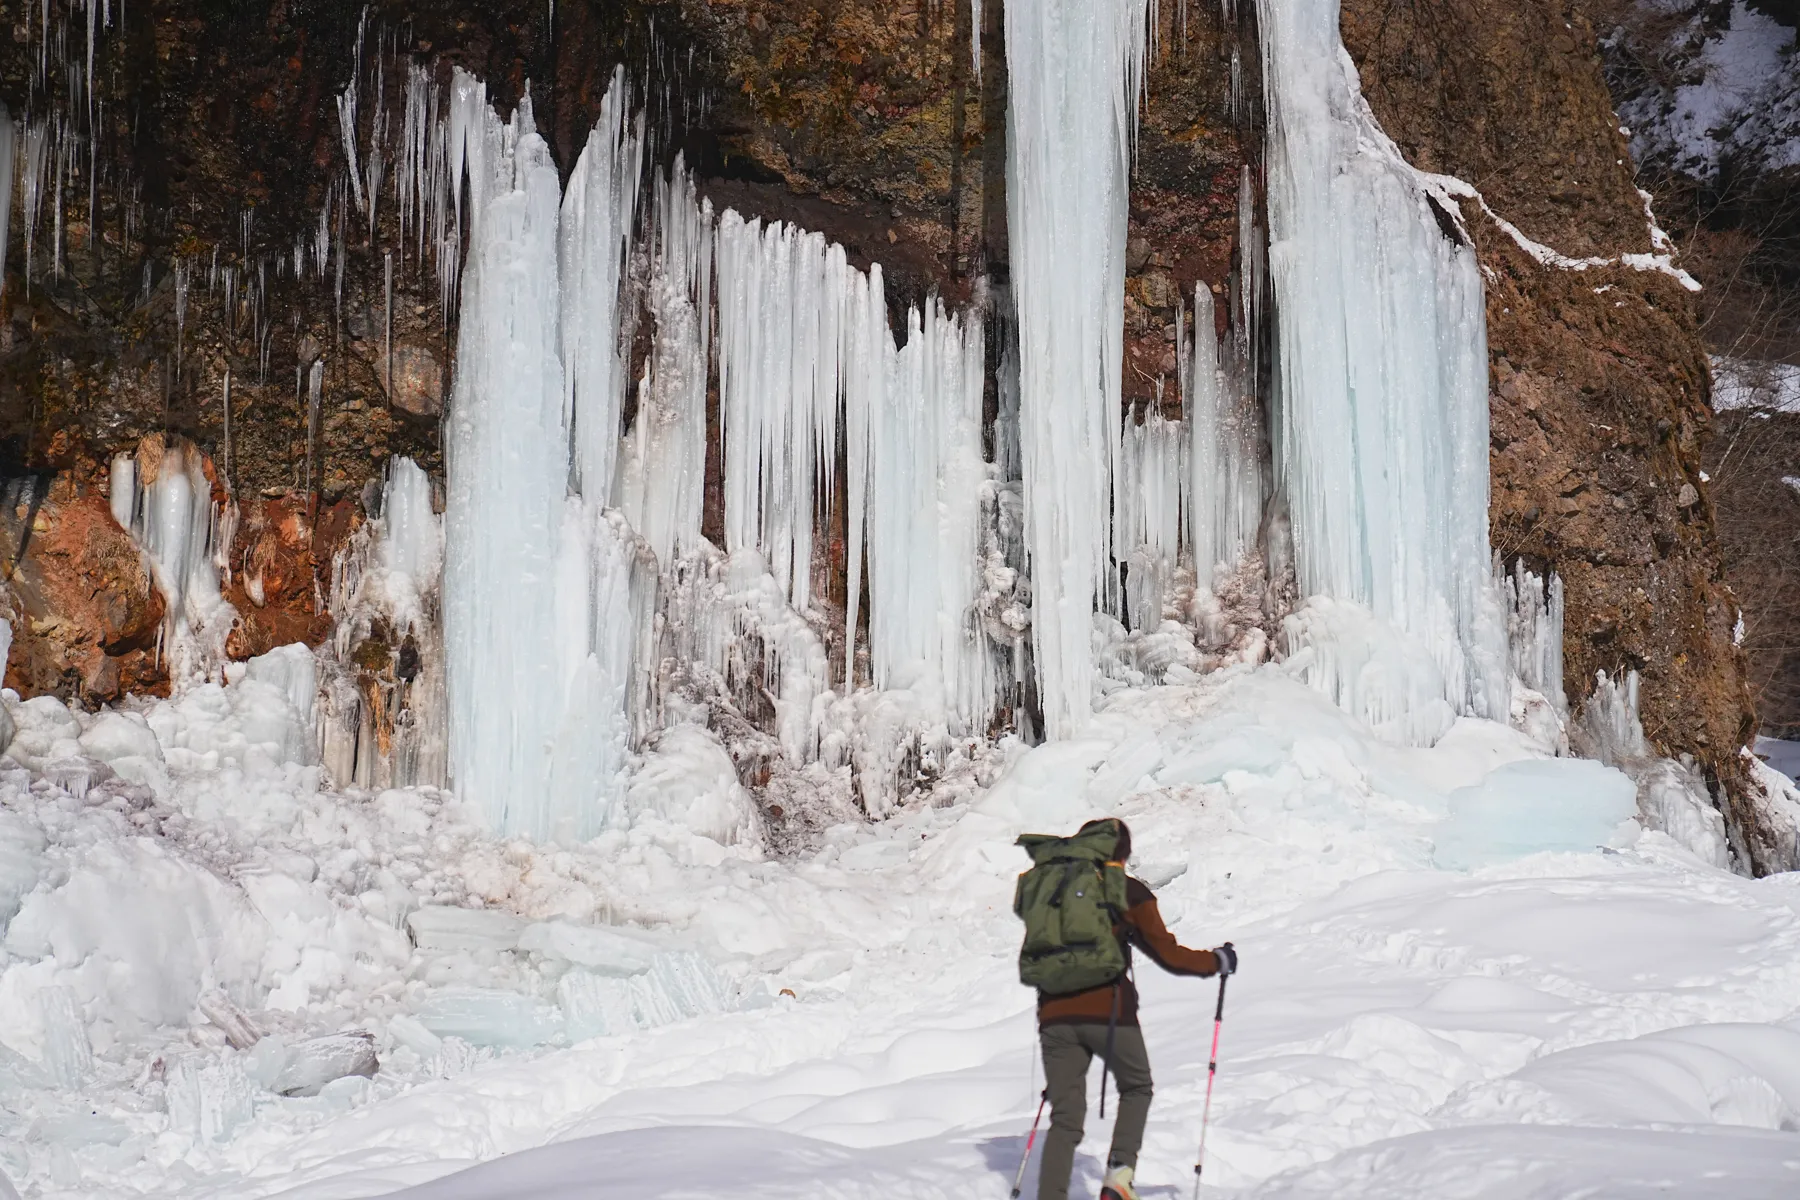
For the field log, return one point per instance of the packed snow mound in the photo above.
(244, 983)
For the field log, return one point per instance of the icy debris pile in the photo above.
(1381, 446)
(193, 934)
(1672, 795)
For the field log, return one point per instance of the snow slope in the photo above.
(672, 1013)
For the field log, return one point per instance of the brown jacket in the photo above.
(1142, 925)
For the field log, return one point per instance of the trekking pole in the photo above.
(1019, 1179)
(1212, 1069)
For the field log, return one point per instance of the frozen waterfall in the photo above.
(1382, 437)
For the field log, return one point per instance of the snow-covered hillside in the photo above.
(1464, 967)
(1713, 83)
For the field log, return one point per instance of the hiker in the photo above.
(1087, 1003)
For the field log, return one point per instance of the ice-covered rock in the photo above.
(45, 729)
(309, 1065)
(600, 949)
(441, 930)
(125, 742)
(1557, 804)
(1673, 799)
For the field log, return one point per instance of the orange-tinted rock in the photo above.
(84, 612)
(281, 572)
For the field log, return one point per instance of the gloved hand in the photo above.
(1227, 956)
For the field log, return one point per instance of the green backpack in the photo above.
(1070, 902)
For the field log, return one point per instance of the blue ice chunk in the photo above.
(1567, 804)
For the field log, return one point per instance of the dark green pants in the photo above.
(1068, 1052)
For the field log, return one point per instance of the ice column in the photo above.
(507, 472)
(1382, 439)
(1150, 510)
(390, 574)
(1535, 631)
(546, 595)
(1074, 71)
(920, 467)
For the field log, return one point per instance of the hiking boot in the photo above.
(1118, 1185)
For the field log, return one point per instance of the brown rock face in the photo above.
(84, 611)
(1599, 376)
(281, 569)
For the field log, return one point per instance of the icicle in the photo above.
(1383, 419)
(975, 36)
(387, 322)
(376, 162)
(1075, 70)
(1226, 481)
(596, 234)
(225, 442)
(924, 488)
(1535, 631)
(346, 108)
(8, 144)
(180, 271)
(779, 377)
(315, 390)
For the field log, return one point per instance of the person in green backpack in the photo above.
(1082, 916)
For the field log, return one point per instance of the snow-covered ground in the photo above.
(1753, 383)
(663, 1011)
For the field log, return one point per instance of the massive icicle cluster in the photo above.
(1381, 446)
(575, 568)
